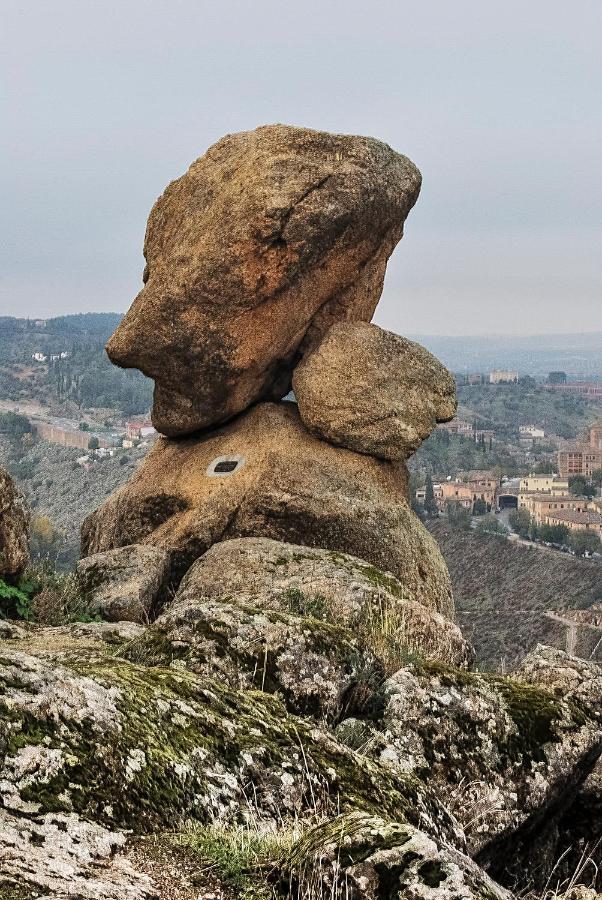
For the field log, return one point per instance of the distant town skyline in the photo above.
(496, 103)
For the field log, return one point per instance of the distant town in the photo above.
(554, 496)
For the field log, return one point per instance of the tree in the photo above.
(430, 504)
(93, 443)
(544, 468)
(579, 486)
(520, 521)
(457, 515)
(491, 525)
(557, 378)
(582, 542)
(554, 534)
(597, 478)
(479, 508)
(83, 426)
(14, 424)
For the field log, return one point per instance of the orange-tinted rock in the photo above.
(264, 475)
(14, 529)
(373, 391)
(268, 239)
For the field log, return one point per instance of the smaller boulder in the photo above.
(124, 584)
(14, 528)
(363, 857)
(373, 391)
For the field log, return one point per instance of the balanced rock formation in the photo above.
(269, 238)
(372, 391)
(14, 529)
(264, 475)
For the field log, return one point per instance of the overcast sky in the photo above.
(496, 101)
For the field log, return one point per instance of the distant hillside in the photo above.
(84, 377)
(502, 591)
(579, 355)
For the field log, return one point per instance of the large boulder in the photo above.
(268, 239)
(373, 391)
(505, 756)
(14, 529)
(124, 584)
(322, 629)
(323, 585)
(264, 475)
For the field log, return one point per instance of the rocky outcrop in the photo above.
(14, 529)
(511, 759)
(373, 391)
(269, 237)
(135, 747)
(321, 629)
(367, 858)
(264, 475)
(324, 585)
(63, 856)
(124, 584)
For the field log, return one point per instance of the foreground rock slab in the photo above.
(124, 584)
(14, 529)
(373, 391)
(264, 475)
(127, 746)
(269, 237)
(60, 855)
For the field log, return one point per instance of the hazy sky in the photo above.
(497, 102)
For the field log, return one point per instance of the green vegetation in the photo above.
(80, 374)
(584, 542)
(14, 424)
(44, 596)
(491, 525)
(506, 406)
(241, 857)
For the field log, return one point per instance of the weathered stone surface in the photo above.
(373, 391)
(574, 844)
(269, 237)
(319, 669)
(14, 528)
(64, 856)
(272, 576)
(124, 584)
(126, 746)
(501, 754)
(362, 857)
(287, 485)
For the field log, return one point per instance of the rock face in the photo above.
(14, 528)
(264, 475)
(322, 629)
(65, 856)
(136, 747)
(124, 584)
(332, 587)
(358, 856)
(372, 391)
(268, 239)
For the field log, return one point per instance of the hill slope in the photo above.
(503, 590)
